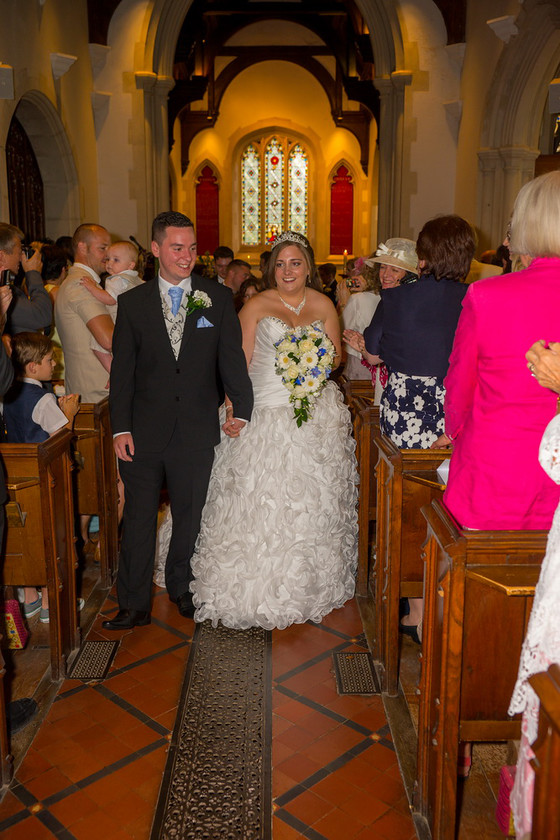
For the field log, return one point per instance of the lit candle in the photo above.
(344, 261)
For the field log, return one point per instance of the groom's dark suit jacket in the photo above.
(151, 391)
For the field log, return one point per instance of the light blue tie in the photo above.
(176, 295)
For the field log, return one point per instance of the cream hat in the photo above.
(400, 253)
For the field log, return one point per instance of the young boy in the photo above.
(121, 266)
(32, 414)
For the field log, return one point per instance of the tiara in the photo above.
(291, 236)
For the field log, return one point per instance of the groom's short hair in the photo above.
(168, 219)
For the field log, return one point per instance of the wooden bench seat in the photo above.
(39, 544)
(406, 480)
(478, 594)
(96, 478)
(546, 764)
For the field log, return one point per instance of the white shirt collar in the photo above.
(32, 381)
(164, 286)
(89, 271)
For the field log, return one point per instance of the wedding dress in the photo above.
(278, 540)
(542, 642)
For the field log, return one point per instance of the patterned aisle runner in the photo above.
(217, 780)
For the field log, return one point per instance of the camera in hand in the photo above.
(6, 277)
(28, 251)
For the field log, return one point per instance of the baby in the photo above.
(122, 258)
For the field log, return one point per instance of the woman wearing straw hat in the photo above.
(413, 327)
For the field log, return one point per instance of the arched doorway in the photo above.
(42, 127)
(25, 184)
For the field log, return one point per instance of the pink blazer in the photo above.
(495, 411)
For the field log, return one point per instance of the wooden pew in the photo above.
(546, 764)
(356, 388)
(97, 480)
(366, 423)
(478, 594)
(6, 758)
(40, 547)
(406, 480)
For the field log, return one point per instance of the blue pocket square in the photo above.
(202, 322)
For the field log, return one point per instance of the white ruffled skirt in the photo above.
(278, 540)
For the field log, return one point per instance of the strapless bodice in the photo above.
(267, 385)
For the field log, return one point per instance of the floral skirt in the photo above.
(411, 410)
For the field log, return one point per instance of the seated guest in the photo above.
(31, 307)
(222, 258)
(65, 242)
(236, 272)
(78, 315)
(32, 415)
(327, 273)
(412, 333)
(54, 272)
(358, 300)
(263, 262)
(122, 261)
(250, 287)
(495, 411)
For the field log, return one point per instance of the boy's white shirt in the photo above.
(46, 413)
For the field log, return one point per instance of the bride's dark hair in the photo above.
(285, 239)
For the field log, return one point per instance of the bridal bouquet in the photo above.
(304, 358)
(197, 300)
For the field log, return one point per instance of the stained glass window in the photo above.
(297, 190)
(274, 189)
(274, 186)
(251, 196)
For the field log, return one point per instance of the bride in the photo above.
(278, 540)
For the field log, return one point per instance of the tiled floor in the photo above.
(95, 766)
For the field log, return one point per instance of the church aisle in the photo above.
(94, 769)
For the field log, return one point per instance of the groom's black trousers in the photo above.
(186, 472)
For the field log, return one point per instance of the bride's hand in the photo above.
(233, 426)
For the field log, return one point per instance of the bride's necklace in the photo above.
(296, 309)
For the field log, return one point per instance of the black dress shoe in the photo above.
(126, 620)
(185, 605)
(410, 630)
(19, 713)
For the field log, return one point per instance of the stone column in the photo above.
(391, 142)
(502, 174)
(156, 89)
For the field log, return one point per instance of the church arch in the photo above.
(162, 32)
(513, 115)
(47, 136)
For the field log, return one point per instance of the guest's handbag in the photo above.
(14, 634)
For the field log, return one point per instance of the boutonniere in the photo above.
(197, 300)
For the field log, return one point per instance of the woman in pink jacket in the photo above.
(495, 411)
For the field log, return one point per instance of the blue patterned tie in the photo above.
(176, 295)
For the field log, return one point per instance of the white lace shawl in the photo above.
(542, 642)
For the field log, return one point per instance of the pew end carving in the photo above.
(406, 480)
(96, 480)
(546, 763)
(478, 593)
(40, 544)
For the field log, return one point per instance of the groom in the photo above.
(176, 348)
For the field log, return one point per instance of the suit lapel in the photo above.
(190, 320)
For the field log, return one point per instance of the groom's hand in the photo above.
(233, 426)
(124, 446)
